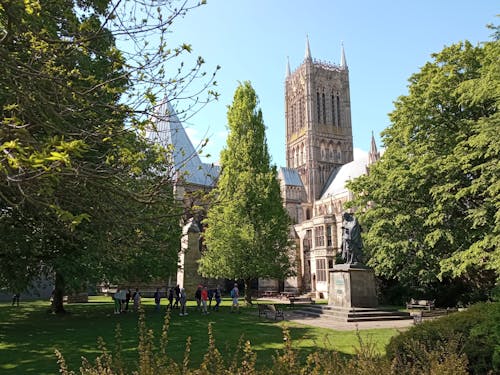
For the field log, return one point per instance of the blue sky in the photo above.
(385, 42)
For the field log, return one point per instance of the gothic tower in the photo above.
(318, 120)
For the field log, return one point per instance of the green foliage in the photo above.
(473, 334)
(82, 195)
(243, 360)
(434, 195)
(247, 226)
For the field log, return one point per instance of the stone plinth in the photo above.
(352, 285)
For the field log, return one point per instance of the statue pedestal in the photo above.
(352, 285)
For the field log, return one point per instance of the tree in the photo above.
(83, 196)
(247, 226)
(434, 195)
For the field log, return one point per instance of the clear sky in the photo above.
(385, 43)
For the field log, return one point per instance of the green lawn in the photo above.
(29, 334)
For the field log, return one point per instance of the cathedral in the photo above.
(319, 161)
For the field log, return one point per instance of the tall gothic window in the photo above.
(324, 107)
(318, 107)
(334, 118)
(321, 269)
(338, 112)
(302, 120)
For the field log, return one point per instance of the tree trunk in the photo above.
(248, 292)
(57, 298)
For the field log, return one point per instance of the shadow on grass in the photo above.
(29, 335)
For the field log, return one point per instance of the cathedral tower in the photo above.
(318, 120)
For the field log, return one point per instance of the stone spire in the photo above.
(343, 62)
(308, 50)
(373, 155)
(287, 67)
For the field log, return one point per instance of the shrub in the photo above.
(473, 335)
(154, 359)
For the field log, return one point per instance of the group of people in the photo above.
(205, 296)
(177, 299)
(122, 299)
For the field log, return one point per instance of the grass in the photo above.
(29, 334)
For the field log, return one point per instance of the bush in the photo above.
(153, 359)
(473, 334)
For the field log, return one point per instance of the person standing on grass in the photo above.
(170, 298)
(183, 301)
(217, 295)
(128, 296)
(204, 299)
(137, 299)
(157, 297)
(235, 294)
(177, 291)
(197, 297)
(210, 298)
(15, 299)
(123, 299)
(118, 302)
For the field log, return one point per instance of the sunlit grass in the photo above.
(29, 334)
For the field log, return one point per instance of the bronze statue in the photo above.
(352, 243)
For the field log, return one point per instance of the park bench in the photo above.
(262, 310)
(277, 312)
(420, 304)
(302, 300)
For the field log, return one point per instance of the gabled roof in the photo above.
(168, 130)
(340, 176)
(290, 176)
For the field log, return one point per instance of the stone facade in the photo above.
(319, 157)
(319, 161)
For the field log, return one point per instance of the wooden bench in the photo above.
(277, 312)
(303, 300)
(263, 309)
(420, 304)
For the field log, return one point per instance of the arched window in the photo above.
(324, 107)
(302, 120)
(318, 108)
(334, 117)
(338, 111)
(339, 153)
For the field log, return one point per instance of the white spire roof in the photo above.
(169, 132)
(287, 67)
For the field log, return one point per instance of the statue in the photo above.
(352, 244)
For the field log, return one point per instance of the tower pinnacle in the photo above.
(308, 49)
(343, 62)
(287, 74)
(373, 155)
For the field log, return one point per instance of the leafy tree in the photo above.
(434, 195)
(246, 226)
(82, 195)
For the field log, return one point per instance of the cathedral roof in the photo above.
(340, 176)
(290, 176)
(169, 132)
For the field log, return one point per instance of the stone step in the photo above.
(353, 314)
